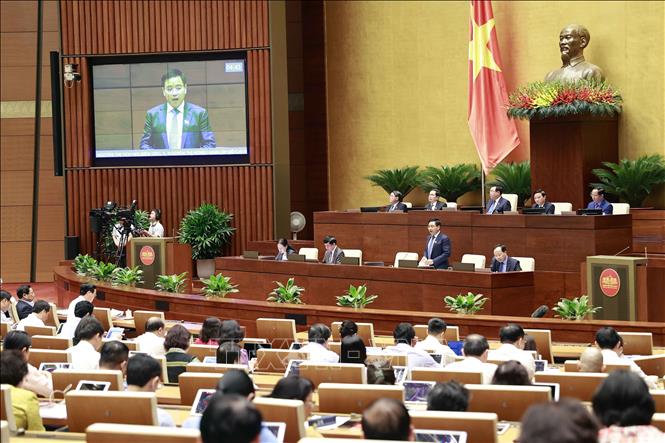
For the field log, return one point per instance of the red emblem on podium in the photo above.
(609, 282)
(147, 255)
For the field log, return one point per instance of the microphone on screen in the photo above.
(540, 312)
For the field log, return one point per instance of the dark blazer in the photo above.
(438, 207)
(502, 205)
(549, 207)
(399, 207)
(289, 251)
(337, 257)
(440, 251)
(23, 309)
(604, 205)
(196, 132)
(512, 265)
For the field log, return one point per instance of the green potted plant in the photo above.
(141, 219)
(171, 283)
(129, 276)
(451, 181)
(103, 271)
(465, 304)
(403, 180)
(287, 293)
(207, 230)
(576, 309)
(84, 264)
(356, 297)
(218, 286)
(632, 180)
(514, 178)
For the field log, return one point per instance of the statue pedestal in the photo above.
(564, 151)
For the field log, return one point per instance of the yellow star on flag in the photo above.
(479, 53)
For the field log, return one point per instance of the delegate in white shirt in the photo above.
(476, 365)
(509, 351)
(69, 327)
(30, 320)
(611, 357)
(416, 358)
(72, 305)
(431, 343)
(83, 356)
(151, 343)
(156, 230)
(319, 353)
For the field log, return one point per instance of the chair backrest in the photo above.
(6, 411)
(217, 368)
(276, 360)
(365, 331)
(507, 402)
(543, 338)
(479, 426)
(620, 208)
(443, 375)
(334, 373)
(341, 398)
(571, 366)
(202, 351)
(309, 253)
(477, 260)
(40, 330)
(637, 343)
(291, 412)
(652, 364)
(52, 319)
(451, 205)
(280, 332)
(65, 377)
(580, 385)
(4, 329)
(512, 198)
(87, 407)
(50, 342)
(131, 344)
(104, 317)
(190, 383)
(405, 256)
(39, 356)
(140, 317)
(113, 433)
(393, 359)
(451, 334)
(4, 430)
(408, 204)
(527, 263)
(658, 420)
(560, 207)
(358, 253)
(659, 399)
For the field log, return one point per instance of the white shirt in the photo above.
(319, 353)
(475, 364)
(151, 343)
(611, 357)
(509, 351)
(432, 344)
(69, 327)
(164, 419)
(37, 381)
(30, 320)
(177, 143)
(156, 230)
(416, 358)
(6, 318)
(84, 357)
(72, 305)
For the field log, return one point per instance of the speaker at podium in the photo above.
(160, 256)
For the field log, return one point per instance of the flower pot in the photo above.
(205, 267)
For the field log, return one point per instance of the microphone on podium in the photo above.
(540, 312)
(623, 250)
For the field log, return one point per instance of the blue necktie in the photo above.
(504, 264)
(429, 247)
(491, 210)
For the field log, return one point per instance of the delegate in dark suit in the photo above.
(499, 207)
(334, 256)
(283, 255)
(439, 251)
(511, 265)
(23, 309)
(606, 206)
(437, 206)
(549, 207)
(399, 206)
(196, 132)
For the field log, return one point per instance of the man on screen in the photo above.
(176, 124)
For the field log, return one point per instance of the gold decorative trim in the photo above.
(23, 109)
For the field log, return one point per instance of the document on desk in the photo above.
(53, 411)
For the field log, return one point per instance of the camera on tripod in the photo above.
(100, 218)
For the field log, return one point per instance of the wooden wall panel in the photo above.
(126, 27)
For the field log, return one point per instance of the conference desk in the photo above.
(557, 242)
(398, 288)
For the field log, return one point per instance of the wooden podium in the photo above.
(619, 286)
(565, 150)
(160, 256)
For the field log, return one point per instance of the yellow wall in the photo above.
(397, 80)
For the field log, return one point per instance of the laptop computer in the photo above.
(369, 209)
(201, 401)
(407, 263)
(437, 436)
(276, 428)
(92, 385)
(251, 348)
(293, 368)
(400, 374)
(468, 267)
(592, 211)
(350, 261)
(437, 357)
(252, 255)
(555, 387)
(295, 257)
(416, 391)
(531, 211)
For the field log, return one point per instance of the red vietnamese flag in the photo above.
(494, 134)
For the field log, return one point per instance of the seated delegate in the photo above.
(540, 201)
(598, 201)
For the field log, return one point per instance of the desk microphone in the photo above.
(540, 312)
(623, 250)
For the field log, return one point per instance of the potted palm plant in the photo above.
(514, 178)
(452, 181)
(403, 180)
(207, 230)
(632, 180)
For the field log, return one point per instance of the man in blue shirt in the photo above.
(599, 202)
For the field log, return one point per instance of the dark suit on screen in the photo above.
(502, 205)
(511, 265)
(549, 207)
(196, 132)
(438, 206)
(337, 256)
(23, 308)
(440, 251)
(399, 206)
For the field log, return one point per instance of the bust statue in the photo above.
(572, 41)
